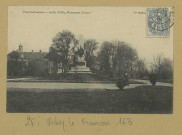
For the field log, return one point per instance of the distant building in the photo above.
(27, 55)
(32, 63)
(18, 61)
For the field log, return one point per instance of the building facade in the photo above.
(20, 63)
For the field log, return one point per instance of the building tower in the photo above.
(20, 50)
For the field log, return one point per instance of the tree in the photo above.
(162, 66)
(104, 57)
(132, 57)
(16, 66)
(14, 55)
(37, 67)
(59, 50)
(167, 69)
(117, 59)
(124, 59)
(141, 69)
(90, 46)
(157, 64)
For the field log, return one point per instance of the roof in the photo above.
(47, 56)
(28, 55)
(34, 55)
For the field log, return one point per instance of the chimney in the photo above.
(32, 51)
(40, 51)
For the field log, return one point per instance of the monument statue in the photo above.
(80, 66)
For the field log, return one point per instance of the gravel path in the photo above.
(52, 85)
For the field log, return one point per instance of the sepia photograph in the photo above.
(112, 60)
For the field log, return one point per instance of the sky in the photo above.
(35, 27)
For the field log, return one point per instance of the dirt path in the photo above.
(47, 85)
(158, 83)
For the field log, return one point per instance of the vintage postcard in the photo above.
(90, 69)
(90, 60)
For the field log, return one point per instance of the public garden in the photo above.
(52, 84)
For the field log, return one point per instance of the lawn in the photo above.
(143, 99)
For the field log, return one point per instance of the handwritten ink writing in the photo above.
(125, 121)
(71, 123)
(68, 122)
(95, 123)
(31, 121)
(54, 122)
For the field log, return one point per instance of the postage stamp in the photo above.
(158, 22)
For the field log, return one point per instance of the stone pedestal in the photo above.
(80, 67)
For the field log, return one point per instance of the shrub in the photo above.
(122, 82)
(153, 78)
